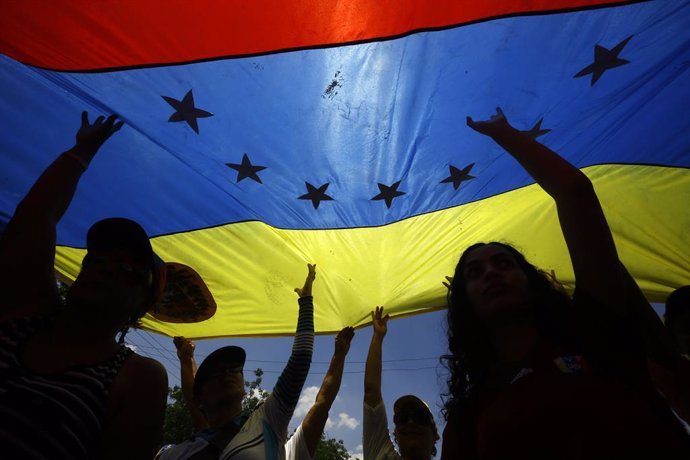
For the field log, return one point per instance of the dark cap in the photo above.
(677, 303)
(410, 402)
(225, 355)
(180, 295)
(123, 234)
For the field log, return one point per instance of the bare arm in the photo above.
(185, 353)
(27, 246)
(315, 420)
(372, 370)
(134, 427)
(587, 234)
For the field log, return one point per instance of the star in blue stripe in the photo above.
(185, 110)
(604, 59)
(458, 176)
(246, 169)
(536, 130)
(388, 193)
(316, 195)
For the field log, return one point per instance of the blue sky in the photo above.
(411, 365)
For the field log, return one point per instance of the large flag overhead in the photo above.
(263, 135)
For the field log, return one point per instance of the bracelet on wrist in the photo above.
(73, 156)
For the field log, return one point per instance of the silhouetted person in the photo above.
(534, 374)
(415, 430)
(68, 389)
(303, 443)
(218, 391)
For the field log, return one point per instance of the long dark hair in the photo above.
(470, 351)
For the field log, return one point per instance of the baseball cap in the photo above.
(411, 403)
(123, 234)
(225, 355)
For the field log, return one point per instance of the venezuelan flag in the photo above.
(261, 135)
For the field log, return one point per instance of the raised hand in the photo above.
(379, 321)
(185, 348)
(90, 137)
(343, 339)
(305, 291)
(495, 125)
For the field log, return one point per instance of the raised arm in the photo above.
(291, 380)
(376, 440)
(372, 370)
(185, 353)
(587, 234)
(315, 420)
(27, 247)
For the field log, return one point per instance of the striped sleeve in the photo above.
(290, 382)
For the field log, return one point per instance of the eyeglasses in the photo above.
(138, 275)
(417, 416)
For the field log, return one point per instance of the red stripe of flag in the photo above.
(87, 34)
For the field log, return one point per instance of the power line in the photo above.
(266, 361)
(362, 372)
(174, 356)
(174, 363)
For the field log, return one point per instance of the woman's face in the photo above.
(495, 284)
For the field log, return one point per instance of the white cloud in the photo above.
(357, 454)
(344, 420)
(306, 400)
(329, 424)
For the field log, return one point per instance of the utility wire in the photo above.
(265, 361)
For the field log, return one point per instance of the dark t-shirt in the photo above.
(596, 401)
(50, 415)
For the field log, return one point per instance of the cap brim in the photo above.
(184, 297)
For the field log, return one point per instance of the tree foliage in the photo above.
(255, 393)
(331, 449)
(177, 426)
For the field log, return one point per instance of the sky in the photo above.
(411, 365)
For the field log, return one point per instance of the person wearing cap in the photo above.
(303, 443)
(68, 389)
(415, 430)
(218, 391)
